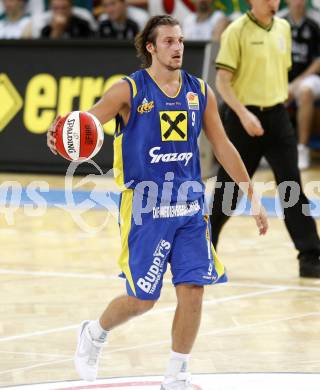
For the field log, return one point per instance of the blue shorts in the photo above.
(175, 234)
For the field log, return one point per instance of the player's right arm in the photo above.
(117, 100)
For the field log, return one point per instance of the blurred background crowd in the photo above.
(200, 20)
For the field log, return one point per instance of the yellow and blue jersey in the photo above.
(158, 150)
(161, 136)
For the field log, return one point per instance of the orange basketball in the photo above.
(79, 136)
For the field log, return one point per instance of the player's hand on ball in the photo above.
(51, 140)
(77, 136)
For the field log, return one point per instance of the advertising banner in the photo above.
(41, 79)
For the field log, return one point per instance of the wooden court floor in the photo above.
(53, 275)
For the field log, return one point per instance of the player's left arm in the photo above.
(230, 159)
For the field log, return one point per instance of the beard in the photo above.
(173, 68)
(169, 65)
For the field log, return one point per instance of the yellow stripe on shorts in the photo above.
(218, 265)
(125, 226)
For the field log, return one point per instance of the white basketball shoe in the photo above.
(86, 358)
(181, 382)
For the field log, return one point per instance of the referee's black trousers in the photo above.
(279, 146)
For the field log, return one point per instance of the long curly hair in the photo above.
(149, 35)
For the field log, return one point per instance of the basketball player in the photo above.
(160, 111)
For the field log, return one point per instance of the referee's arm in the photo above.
(230, 159)
(249, 121)
(222, 147)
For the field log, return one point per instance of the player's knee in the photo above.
(196, 295)
(139, 306)
(190, 295)
(305, 95)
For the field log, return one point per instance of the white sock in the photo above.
(96, 331)
(177, 363)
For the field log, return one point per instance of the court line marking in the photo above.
(41, 354)
(211, 333)
(7, 271)
(265, 285)
(39, 333)
(267, 322)
(207, 302)
(153, 312)
(222, 331)
(35, 366)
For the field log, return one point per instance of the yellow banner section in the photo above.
(46, 97)
(11, 101)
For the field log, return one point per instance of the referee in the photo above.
(252, 78)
